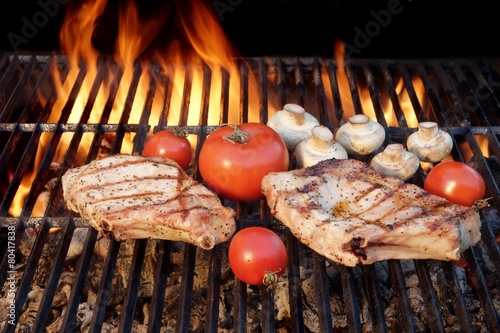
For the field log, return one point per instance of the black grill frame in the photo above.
(448, 84)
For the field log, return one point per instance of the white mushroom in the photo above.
(396, 161)
(319, 147)
(429, 143)
(293, 124)
(360, 135)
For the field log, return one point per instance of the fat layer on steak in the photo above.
(351, 214)
(128, 196)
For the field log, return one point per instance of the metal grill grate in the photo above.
(461, 95)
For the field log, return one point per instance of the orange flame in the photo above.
(483, 144)
(136, 36)
(365, 99)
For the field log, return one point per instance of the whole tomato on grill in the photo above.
(170, 144)
(257, 256)
(455, 181)
(234, 159)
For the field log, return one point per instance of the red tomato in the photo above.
(257, 256)
(170, 145)
(455, 181)
(235, 170)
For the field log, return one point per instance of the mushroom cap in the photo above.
(360, 135)
(396, 161)
(321, 146)
(429, 143)
(293, 124)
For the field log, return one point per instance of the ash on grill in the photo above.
(89, 297)
(68, 276)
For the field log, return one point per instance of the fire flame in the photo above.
(366, 102)
(204, 61)
(135, 38)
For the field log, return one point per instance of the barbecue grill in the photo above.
(169, 286)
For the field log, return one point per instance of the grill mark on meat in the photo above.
(164, 203)
(115, 165)
(351, 214)
(130, 196)
(341, 209)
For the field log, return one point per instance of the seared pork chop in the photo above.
(351, 214)
(127, 196)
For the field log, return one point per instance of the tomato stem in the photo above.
(238, 136)
(482, 203)
(270, 279)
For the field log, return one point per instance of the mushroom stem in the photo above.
(395, 161)
(428, 130)
(393, 152)
(360, 121)
(296, 112)
(322, 138)
(360, 135)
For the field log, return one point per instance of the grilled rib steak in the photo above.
(351, 214)
(127, 196)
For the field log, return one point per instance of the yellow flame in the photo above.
(136, 35)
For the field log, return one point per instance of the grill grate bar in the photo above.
(374, 301)
(160, 284)
(133, 283)
(5, 84)
(331, 69)
(205, 96)
(51, 286)
(268, 322)
(82, 271)
(263, 90)
(429, 295)
(406, 323)
(410, 89)
(325, 312)
(351, 78)
(484, 296)
(294, 290)
(240, 306)
(391, 89)
(456, 298)
(486, 80)
(320, 94)
(212, 314)
(244, 98)
(300, 85)
(436, 110)
(105, 287)
(447, 86)
(224, 116)
(491, 245)
(281, 86)
(350, 299)
(186, 96)
(18, 92)
(374, 93)
(183, 323)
